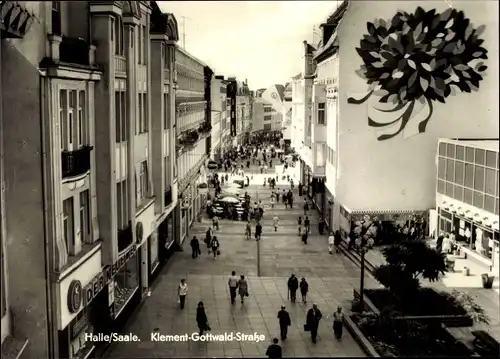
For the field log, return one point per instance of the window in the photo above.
(267, 127)
(469, 175)
(458, 193)
(63, 118)
(143, 180)
(449, 189)
(139, 116)
(490, 183)
(442, 149)
(450, 170)
(144, 46)
(480, 156)
(479, 178)
(441, 168)
(489, 204)
(68, 226)
(468, 196)
(469, 155)
(120, 117)
(56, 17)
(81, 122)
(145, 124)
(166, 112)
(478, 199)
(459, 173)
(460, 153)
(267, 118)
(491, 159)
(118, 36)
(121, 205)
(85, 217)
(450, 150)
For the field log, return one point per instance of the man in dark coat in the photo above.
(293, 285)
(312, 322)
(285, 322)
(439, 243)
(300, 189)
(258, 231)
(195, 247)
(274, 350)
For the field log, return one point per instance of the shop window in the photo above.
(469, 155)
(85, 216)
(478, 199)
(442, 149)
(441, 168)
(479, 178)
(460, 153)
(490, 182)
(459, 173)
(450, 150)
(445, 214)
(480, 154)
(458, 193)
(468, 196)
(491, 159)
(450, 170)
(449, 189)
(440, 187)
(125, 284)
(469, 175)
(489, 204)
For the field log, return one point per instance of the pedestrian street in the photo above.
(331, 281)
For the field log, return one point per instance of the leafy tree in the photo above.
(406, 263)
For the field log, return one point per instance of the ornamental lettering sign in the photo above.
(74, 296)
(106, 276)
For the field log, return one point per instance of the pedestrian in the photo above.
(248, 230)
(299, 224)
(338, 323)
(258, 231)
(272, 201)
(306, 207)
(337, 241)
(312, 322)
(285, 322)
(208, 239)
(201, 318)
(243, 288)
(215, 223)
(331, 242)
(278, 195)
(290, 199)
(195, 247)
(293, 285)
(304, 237)
(285, 200)
(276, 222)
(307, 224)
(321, 225)
(274, 350)
(300, 189)
(215, 245)
(182, 292)
(304, 288)
(233, 286)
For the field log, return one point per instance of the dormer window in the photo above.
(56, 18)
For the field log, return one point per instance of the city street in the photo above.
(331, 281)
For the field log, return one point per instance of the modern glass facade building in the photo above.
(467, 198)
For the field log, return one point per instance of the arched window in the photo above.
(118, 33)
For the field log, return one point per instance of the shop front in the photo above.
(160, 252)
(125, 285)
(145, 234)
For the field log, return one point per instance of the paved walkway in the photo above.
(331, 279)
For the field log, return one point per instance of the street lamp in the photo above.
(364, 248)
(258, 245)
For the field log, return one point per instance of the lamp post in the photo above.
(362, 279)
(258, 244)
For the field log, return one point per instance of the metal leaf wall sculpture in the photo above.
(416, 59)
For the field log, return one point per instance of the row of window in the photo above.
(141, 38)
(267, 127)
(268, 109)
(267, 118)
(477, 156)
(476, 177)
(190, 84)
(474, 198)
(72, 119)
(187, 62)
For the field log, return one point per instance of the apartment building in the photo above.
(193, 128)
(91, 243)
(220, 118)
(382, 171)
(265, 117)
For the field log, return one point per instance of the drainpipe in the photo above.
(51, 347)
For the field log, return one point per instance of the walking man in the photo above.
(338, 323)
(312, 322)
(306, 207)
(258, 231)
(307, 224)
(285, 322)
(195, 247)
(233, 286)
(293, 285)
(274, 350)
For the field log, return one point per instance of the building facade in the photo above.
(403, 189)
(242, 110)
(193, 129)
(99, 217)
(265, 117)
(467, 193)
(220, 118)
(287, 114)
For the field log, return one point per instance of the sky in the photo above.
(260, 41)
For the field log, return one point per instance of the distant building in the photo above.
(265, 117)
(220, 118)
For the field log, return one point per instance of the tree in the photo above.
(406, 262)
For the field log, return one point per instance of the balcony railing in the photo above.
(120, 63)
(74, 51)
(75, 163)
(125, 238)
(168, 196)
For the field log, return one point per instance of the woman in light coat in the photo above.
(243, 288)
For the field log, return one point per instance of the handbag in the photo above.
(178, 300)
(246, 293)
(218, 252)
(306, 328)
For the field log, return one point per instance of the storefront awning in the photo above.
(387, 215)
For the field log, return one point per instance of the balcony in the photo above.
(125, 238)
(74, 51)
(120, 64)
(75, 163)
(168, 197)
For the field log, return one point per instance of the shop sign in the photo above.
(74, 296)
(106, 276)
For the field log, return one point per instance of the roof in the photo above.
(486, 144)
(281, 91)
(310, 49)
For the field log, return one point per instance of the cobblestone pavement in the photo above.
(331, 279)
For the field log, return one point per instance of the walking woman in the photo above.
(182, 292)
(304, 288)
(243, 288)
(201, 318)
(215, 246)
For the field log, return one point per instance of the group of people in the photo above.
(211, 241)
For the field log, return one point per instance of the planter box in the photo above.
(359, 337)
(367, 303)
(451, 321)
